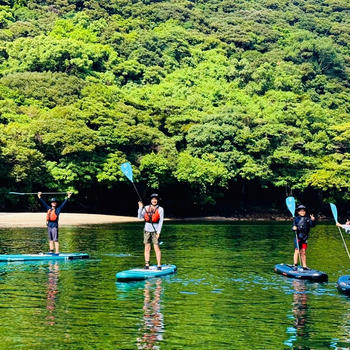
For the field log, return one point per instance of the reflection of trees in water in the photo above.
(346, 339)
(300, 307)
(299, 332)
(153, 325)
(52, 292)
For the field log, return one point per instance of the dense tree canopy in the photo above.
(207, 99)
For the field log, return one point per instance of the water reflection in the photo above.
(152, 327)
(299, 333)
(253, 310)
(52, 292)
(300, 308)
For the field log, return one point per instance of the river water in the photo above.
(224, 295)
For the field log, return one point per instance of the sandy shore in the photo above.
(66, 219)
(71, 219)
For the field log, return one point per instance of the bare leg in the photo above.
(303, 257)
(57, 248)
(147, 252)
(296, 256)
(158, 254)
(51, 246)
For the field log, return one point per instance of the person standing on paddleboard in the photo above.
(345, 226)
(153, 215)
(302, 224)
(52, 221)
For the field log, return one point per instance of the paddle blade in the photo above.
(17, 193)
(127, 170)
(334, 211)
(290, 202)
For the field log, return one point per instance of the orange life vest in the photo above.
(51, 215)
(152, 215)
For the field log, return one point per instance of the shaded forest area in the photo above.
(223, 107)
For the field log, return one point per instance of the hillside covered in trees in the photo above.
(221, 106)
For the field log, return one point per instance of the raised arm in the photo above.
(46, 206)
(58, 210)
(140, 211)
(313, 220)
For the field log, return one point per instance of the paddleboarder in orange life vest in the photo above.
(52, 221)
(153, 215)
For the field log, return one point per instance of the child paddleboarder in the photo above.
(302, 224)
(153, 215)
(52, 216)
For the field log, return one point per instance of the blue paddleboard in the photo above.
(343, 284)
(142, 274)
(43, 256)
(300, 273)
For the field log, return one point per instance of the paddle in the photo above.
(25, 193)
(335, 216)
(334, 212)
(126, 169)
(290, 202)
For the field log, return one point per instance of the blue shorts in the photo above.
(52, 233)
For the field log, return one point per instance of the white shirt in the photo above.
(155, 226)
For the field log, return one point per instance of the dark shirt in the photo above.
(57, 211)
(303, 224)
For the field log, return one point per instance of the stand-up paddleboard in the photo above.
(343, 284)
(300, 273)
(43, 256)
(142, 274)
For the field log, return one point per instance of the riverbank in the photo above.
(8, 220)
(66, 219)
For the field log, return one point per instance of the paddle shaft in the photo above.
(335, 216)
(346, 248)
(297, 243)
(137, 192)
(30, 193)
(290, 201)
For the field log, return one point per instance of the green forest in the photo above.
(222, 106)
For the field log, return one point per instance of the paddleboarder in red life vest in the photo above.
(52, 216)
(302, 224)
(153, 215)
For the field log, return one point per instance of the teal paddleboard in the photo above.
(142, 274)
(43, 256)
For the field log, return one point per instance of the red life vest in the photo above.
(51, 215)
(152, 215)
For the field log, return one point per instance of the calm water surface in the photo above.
(224, 295)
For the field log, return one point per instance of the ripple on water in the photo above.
(225, 294)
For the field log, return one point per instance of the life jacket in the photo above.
(302, 224)
(51, 215)
(152, 215)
